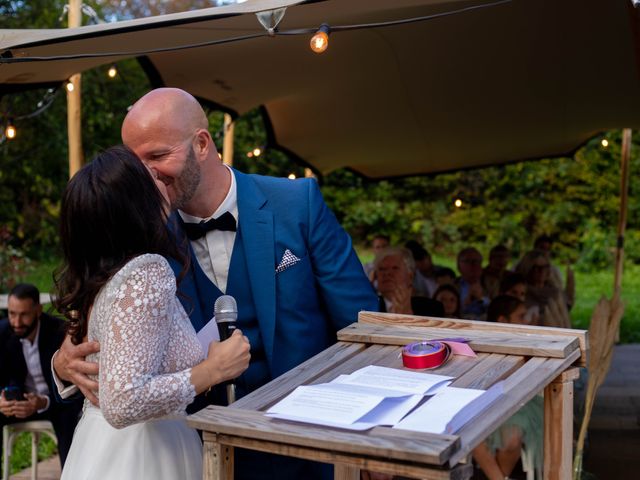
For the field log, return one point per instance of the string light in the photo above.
(69, 86)
(604, 143)
(112, 72)
(256, 152)
(292, 176)
(457, 203)
(249, 154)
(270, 32)
(11, 131)
(320, 41)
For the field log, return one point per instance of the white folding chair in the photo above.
(9, 434)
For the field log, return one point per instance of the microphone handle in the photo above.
(226, 329)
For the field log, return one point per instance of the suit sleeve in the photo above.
(340, 277)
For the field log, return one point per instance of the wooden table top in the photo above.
(526, 358)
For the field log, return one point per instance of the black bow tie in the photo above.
(224, 222)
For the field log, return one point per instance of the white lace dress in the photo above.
(147, 349)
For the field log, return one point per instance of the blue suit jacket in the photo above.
(299, 309)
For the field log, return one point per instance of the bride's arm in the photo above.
(135, 336)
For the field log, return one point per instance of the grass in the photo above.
(590, 286)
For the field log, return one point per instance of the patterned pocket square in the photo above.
(288, 260)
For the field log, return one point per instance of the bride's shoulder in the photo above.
(148, 266)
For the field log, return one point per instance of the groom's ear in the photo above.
(203, 144)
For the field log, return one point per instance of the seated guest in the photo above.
(445, 276)
(515, 285)
(424, 282)
(472, 295)
(27, 342)
(499, 455)
(541, 290)
(449, 297)
(494, 271)
(378, 243)
(506, 309)
(545, 243)
(395, 269)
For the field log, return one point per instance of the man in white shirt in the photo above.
(28, 340)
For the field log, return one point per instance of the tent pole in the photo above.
(622, 218)
(74, 121)
(227, 145)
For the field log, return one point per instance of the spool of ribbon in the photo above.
(422, 355)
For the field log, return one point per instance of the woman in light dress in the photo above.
(117, 288)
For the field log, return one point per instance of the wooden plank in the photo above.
(217, 459)
(433, 449)
(558, 429)
(519, 388)
(348, 464)
(493, 368)
(304, 373)
(481, 341)
(462, 326)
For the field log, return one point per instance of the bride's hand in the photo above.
(230, 358)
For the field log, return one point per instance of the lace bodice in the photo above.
(147, 344)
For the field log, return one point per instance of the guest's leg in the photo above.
(487, 462)
(508, 456)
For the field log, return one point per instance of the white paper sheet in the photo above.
(368, 397)
(397, 380)
(207, 334)
(449, 409)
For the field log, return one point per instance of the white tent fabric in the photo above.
(520, 80)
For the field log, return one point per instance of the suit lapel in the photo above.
(256, 224)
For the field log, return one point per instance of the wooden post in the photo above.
(217, 459)
(227, 146)
(558, 426)
(345, 472)
(74, 118)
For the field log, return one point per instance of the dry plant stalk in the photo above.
(603, 330)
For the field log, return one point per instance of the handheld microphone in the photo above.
(226, 314)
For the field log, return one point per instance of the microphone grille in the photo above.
(224, 306)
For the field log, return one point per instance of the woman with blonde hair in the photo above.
(541, 291)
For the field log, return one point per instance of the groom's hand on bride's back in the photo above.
(71, 366)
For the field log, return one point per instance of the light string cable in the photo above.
(6, 57)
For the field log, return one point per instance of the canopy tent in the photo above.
(517, 80)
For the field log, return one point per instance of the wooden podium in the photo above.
(528, 359)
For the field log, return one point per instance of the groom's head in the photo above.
(168, 130)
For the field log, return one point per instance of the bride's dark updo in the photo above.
(111, 212)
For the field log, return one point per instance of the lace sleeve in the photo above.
(136, 329)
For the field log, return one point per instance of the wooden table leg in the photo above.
(217, 459)
(346, 472)
(558, 426)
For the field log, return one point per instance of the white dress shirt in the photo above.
(35, 381)
(214, 250)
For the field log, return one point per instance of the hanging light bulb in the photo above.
(112, 72)
(292, 176)
(457, 203)
(11, 131)
(256, 152)
(249, 154)
(604, 143)
(69, 86)
(320, 41)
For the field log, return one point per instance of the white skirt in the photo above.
(162, 449)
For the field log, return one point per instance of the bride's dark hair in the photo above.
(111, 212)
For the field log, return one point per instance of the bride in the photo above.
(117, 288)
